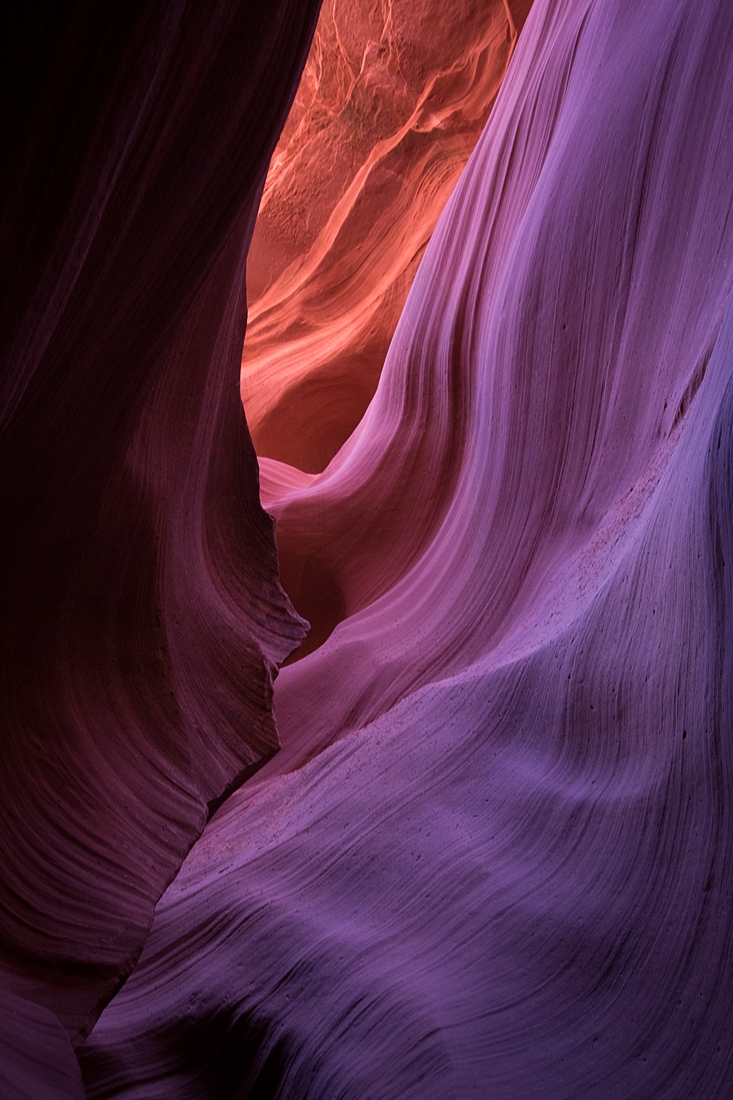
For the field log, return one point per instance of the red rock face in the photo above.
(393, 99)
(142, 621)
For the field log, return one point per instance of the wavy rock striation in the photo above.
(510, 875)
(142, 620)
(393, 99)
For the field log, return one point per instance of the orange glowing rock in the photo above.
(392, 101)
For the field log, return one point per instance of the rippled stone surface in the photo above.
(142, 622)
(493, 858)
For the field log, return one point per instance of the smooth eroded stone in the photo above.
(142, 622)
(493, 859)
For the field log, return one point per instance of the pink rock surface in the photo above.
(493, 859)
(393, 99)
(142, 622)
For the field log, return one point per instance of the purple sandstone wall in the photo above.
(492, 860)
(509, 876)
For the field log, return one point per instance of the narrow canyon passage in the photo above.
(473, 842)
(492, 857)
(392, 101)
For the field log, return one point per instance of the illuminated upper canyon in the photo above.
(393, 98)
(475, 842)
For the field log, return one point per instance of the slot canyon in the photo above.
(367, 492)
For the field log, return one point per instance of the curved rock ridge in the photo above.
(545, 287)
(393, 99)
(511, 874)
(142, 620)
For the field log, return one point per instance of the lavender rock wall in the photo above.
(493, 858)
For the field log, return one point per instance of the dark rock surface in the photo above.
(142, 621)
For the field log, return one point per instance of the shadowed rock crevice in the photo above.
(142, 618)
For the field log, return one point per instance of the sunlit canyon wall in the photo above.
(492, 858)
(393, 99)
